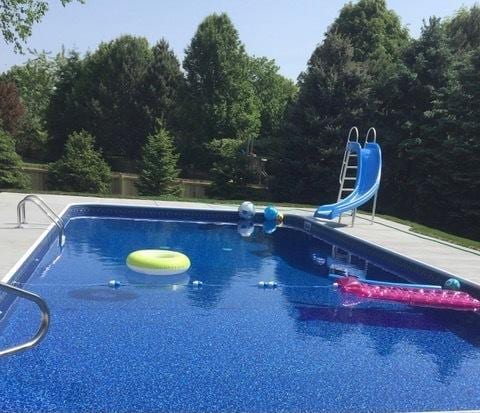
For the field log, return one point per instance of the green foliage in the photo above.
(374, 31)
(162, 85)
(36, 80)
(116, 93)
(404, 117)
(334, 92)
(159, 174)
(17, 18)
(110, 94)
(464, 29)
(454, 183)
(229, 173)
(81, 168)
(11, 175)
(274, 93)
(220, 99)
(64, 112)
(12, 109)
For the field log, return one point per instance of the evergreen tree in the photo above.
(11, 175)
(334, 92)
(404, 117)
(65, 111)
(163, 83)
(453, 186)
(220, 100)
(103, 94)
(81, 168)
(375, 31)
(159, 174)
(379, 41)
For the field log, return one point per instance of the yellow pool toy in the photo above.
(158, 262)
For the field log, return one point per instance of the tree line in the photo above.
(145, 111)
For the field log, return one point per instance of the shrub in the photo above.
(11, 175)
(159, 165)
(81, 168)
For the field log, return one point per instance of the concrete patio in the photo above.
(15, 242)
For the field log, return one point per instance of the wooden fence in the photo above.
(122, 183)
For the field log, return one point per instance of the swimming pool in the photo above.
(227, 345)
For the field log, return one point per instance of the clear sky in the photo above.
(284, 30)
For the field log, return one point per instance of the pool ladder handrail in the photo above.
(49, 212)
(44, 323)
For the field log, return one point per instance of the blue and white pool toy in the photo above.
(246, 210)
(270, 213)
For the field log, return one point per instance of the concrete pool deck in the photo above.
(15, 242)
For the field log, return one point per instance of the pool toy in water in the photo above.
(452, 284)
(158, 262)
(270, 213)
(246, 210)
(423, 297)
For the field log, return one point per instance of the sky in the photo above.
(285, 30)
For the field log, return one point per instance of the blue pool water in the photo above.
(229, 345)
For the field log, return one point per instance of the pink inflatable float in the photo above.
(424, 297)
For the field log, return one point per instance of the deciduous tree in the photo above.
(220, 98)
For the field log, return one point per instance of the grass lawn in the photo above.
(435, 233)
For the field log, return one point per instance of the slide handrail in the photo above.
(374, 132)
(353, 129)
(44, 322)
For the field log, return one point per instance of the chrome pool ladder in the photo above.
(44, 322)
(49, 212)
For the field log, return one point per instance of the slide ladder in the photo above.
(361, 167)
(348, 172)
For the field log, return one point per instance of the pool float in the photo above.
(158, 262)
(423, 297)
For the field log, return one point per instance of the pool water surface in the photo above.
(227, 345)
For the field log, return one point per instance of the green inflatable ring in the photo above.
(158, 262)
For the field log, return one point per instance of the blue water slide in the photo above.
(367, 182)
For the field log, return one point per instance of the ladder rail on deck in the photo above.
(44, 322)
(49, 212)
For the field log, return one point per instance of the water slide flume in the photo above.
(367, 181)
(423, 297)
